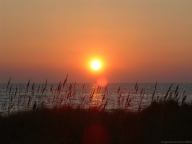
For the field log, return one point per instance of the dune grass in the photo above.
(166, 118)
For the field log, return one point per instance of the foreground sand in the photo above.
(158, 123)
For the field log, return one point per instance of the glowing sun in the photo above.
(96, 65)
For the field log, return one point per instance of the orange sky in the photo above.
(139, 41)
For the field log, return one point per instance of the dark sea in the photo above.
(129, 96)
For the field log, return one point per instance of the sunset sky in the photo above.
(138, 40)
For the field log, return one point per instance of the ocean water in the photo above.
(130, 96)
